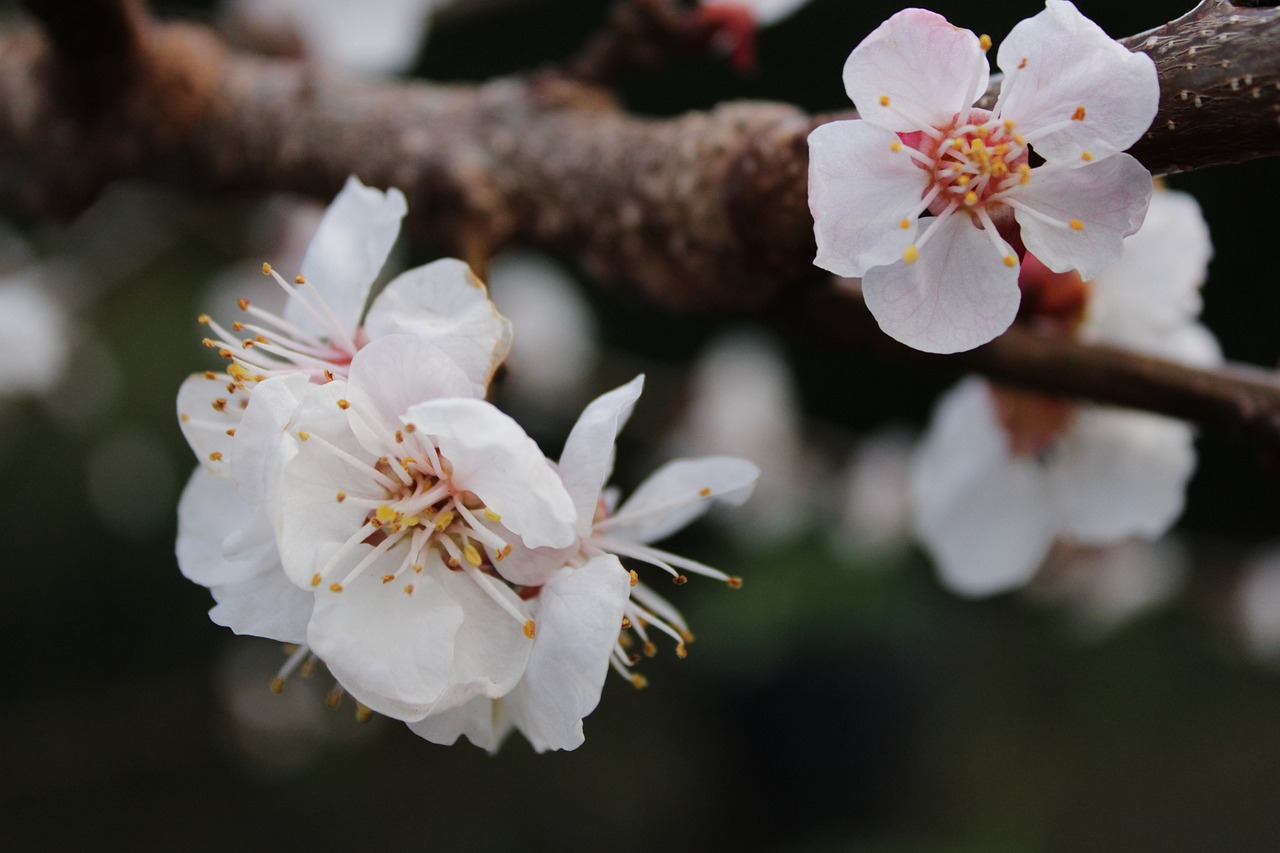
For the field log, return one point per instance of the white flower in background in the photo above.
(1002, 474)
(1257, 606)
(743, 402)
(555, 349)
(950, 282)
(324, 322)
(581, 594)
(738, 20)
(369, 37)
(877, 496)
(1103, 589)
(35, 335)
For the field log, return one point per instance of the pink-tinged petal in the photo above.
(1119, 474)
(677, 493)
(209, 512)
(957, 295)
(765, 12)
(984, 515)
(392, 651)
(1161, 269)
(587, 460)
(1107, 200)
(206, 410)
(444, 303)
(266, 605)
(578, 616)
(860, 192)
(347, 252)
(925, 68)
(391, 374)
(483, 721)
(1080, 88)
(493, 457)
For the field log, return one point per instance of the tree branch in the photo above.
(707, 211)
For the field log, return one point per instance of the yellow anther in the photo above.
(303, 435)
(978, 145)
(307, 668)
(298, 279)
(530, 629)
(491, 515)
(971, 198)
(679, 580)
(204, 319)
(895, 145)
(638, 681)
(411, 520)
(635, 578)
(184, 417)
(704, 492)
(385, 513)
(1076, 225)
(1008, 124)
(681, 651)
(242, 304)
(215, 456)
(1010, 261)
(266, 268)
(884, 100)
(277, 685)
(984, 42)
(399, 437)
(1022, 64)
(408, 589)
(410, 428)
(734, 583)
(650, 649)
(963, 180)
(315, 579)
(443, 520)
(340, 497)
(238, 372)
(363, 713)
(910, 254)
(1086, 156)
(626, 623)
(1078, 115)
(334, 699)
(957, 143)
(231, 432)
(219, 405)
(687, 636)
(344, 404)
(472, 555)
(388, 578)
(1018, 138)
(335, 587)
(983, 132)
(904, 224)
(237, 326)
(417, 568)
(502, 553)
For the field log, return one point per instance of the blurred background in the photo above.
(841, 700)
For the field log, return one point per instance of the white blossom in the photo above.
(949, 282)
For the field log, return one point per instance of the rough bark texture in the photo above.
(706, 211)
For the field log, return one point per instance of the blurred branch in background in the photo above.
(706, 211)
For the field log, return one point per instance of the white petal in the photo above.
(926, 67)
(266, 605)
(484, 721)
(393, 652)
(579, 613)
(766, 12)
(984, 515)
(209, 512)
(679, 492)
(206, 410)
(860, 191)
(1109, 198)
(35, 333)
(347, 251)
(1071, 63)
(957, 295)
(587, 460)
(1119, 474)
(494, 458)
(444, 303)
(1159, 274)
(391, 374)
(261, 447)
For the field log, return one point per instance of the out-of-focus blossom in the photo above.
(737, 22)
(554, 350)
(369, 37)
(35, 335)
(877, 497)
(743, 402)
(1071, 95)
(1003, 473)
(1257, 606)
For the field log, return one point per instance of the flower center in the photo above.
(975, 162)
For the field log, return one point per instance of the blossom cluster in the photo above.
(360, 498)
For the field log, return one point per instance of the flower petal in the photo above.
(587, 460)
(1120, 474)
(261, 446)
(677, 493)
(209, 511)
(266, 605)
(493, 457)
(926, 67)
(1059, 65)
(347, 252)
(206, 410)
(1108, 199)
(393, 652)
(444, 303)
(578, 615)
(957, 295)
(484, 721)
(984, 516)
(860, 192)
